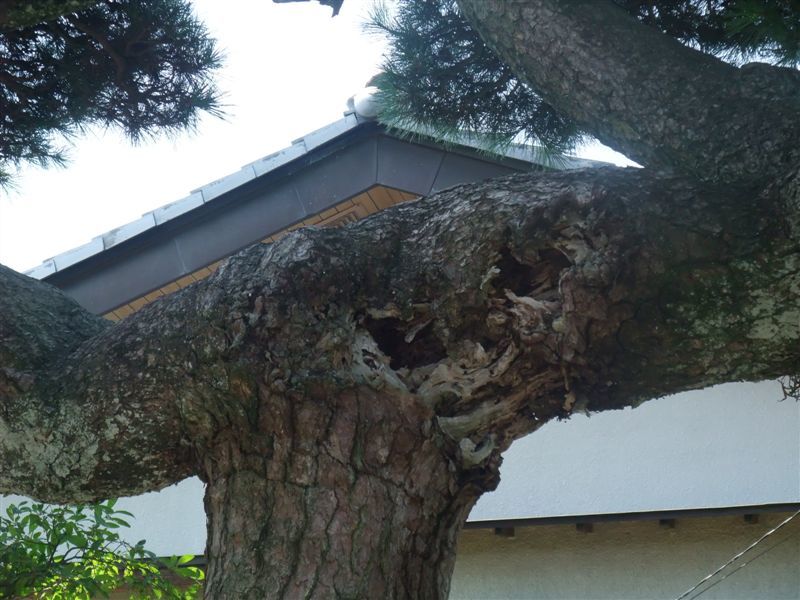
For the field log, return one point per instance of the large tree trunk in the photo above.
(346, 394)
(337, 496)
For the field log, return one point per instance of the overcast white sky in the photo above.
(289, 70)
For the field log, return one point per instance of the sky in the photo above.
(289, 69)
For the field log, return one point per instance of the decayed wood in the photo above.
(346, 393)
(475, 315)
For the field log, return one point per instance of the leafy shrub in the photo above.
(76, 553)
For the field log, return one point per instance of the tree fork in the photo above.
(364, 381)
(495, 304)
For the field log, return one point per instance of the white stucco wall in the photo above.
(629, 561)
(731, 445)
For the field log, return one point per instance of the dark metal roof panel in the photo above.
(317, 172)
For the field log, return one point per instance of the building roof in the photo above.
(185, 238)
(266, 164)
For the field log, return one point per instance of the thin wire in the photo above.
(737, 556)
(743, 565)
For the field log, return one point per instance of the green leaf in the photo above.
(62, 552)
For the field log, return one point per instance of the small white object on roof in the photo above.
(70, 257)
(177, 208)
(226, 184)
(365, 103)
(126, 232)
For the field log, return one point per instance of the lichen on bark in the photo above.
(347, 394)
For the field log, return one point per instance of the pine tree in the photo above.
(441, 77)
(338, 467)
(143, 66)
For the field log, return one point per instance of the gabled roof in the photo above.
(196, 197)
(314, 174)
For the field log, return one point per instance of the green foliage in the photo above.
(440, 77)
(144, 66)
(25, 14)
(76, 553)
(765, 29)
(734, 30)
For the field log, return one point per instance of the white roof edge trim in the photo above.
(197, 196)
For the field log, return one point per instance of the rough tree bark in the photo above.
(346, 394)
(644, 94)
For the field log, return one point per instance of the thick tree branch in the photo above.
(491, 308)
(82, 415)
(643, 93)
